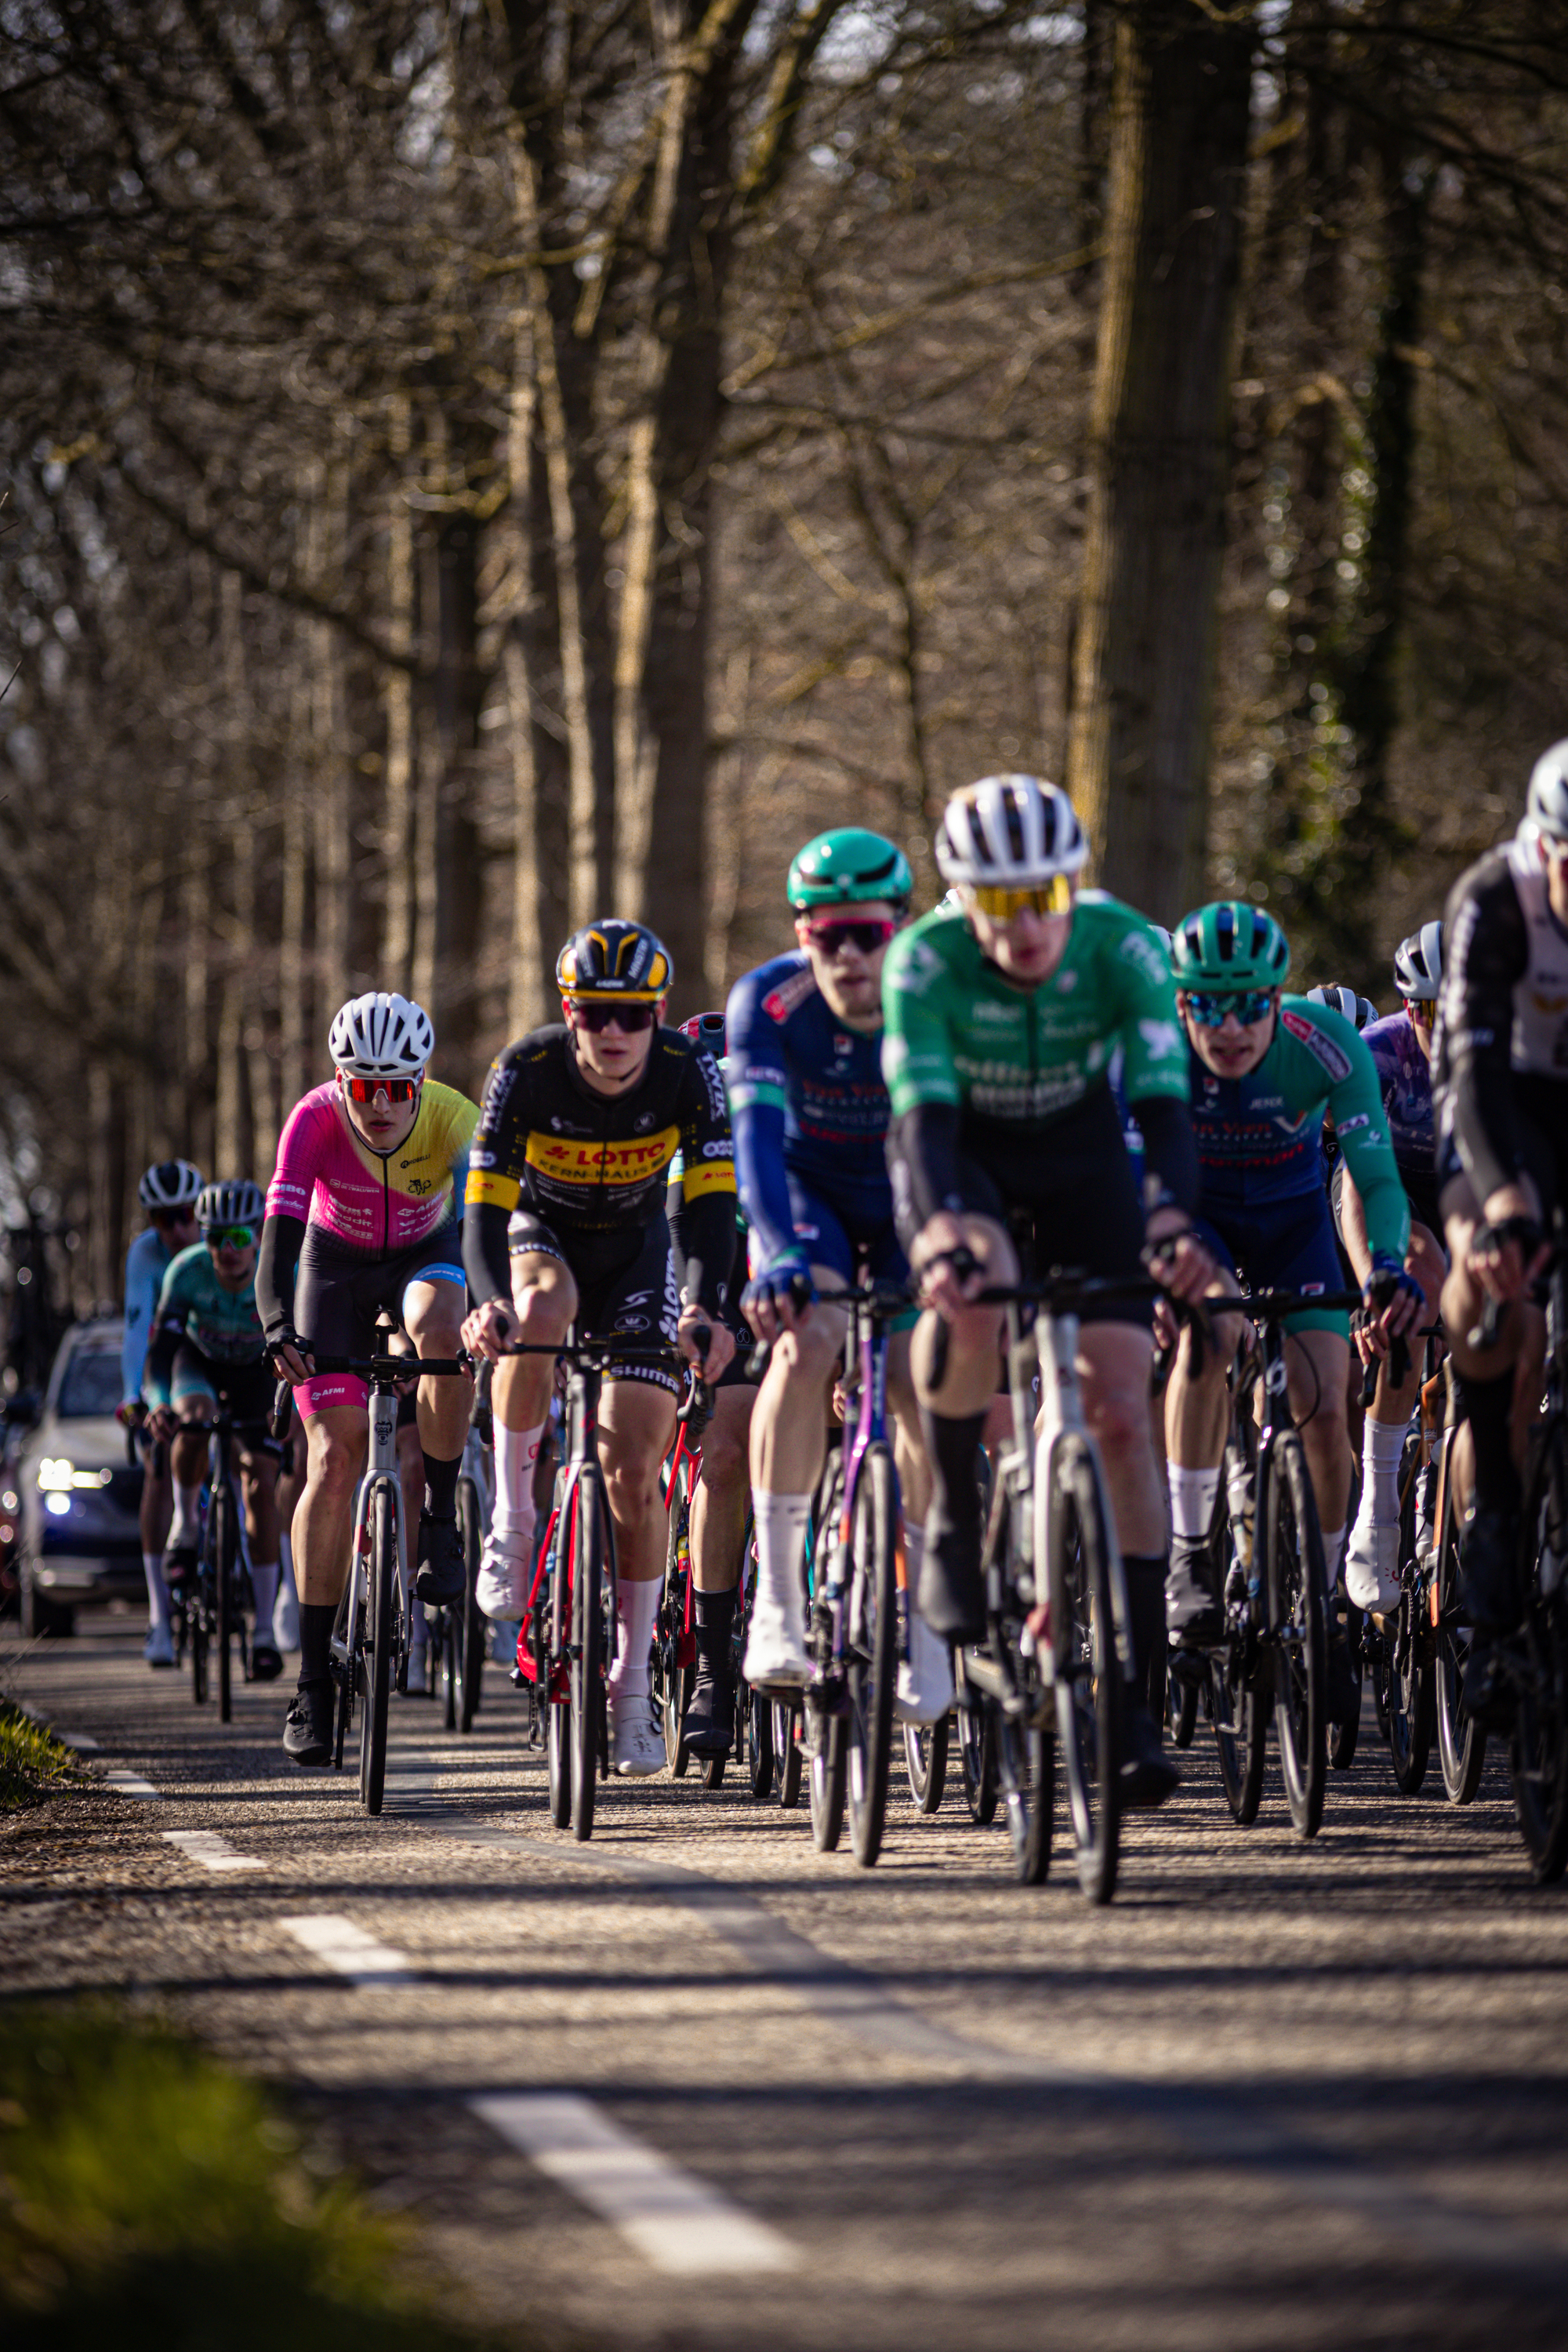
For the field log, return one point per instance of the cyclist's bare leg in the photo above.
(953, 1360)
(1373, 1546)
(257, 1475)
(323, 1517)
(157, 1503)
(544, 1298)
(187, 1468)
(411, 1478)
(788, 1440)
(637, 1424)
(722, 1492)
(1315, 1365)
(433, 1318)
(908, 1445)
(1197, 1416)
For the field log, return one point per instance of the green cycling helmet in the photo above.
(847, 865)
(1229, 945)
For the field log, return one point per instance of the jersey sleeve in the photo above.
(141, 1297)
(1485, 950)
(707, 1180)
(1360, 1125)
(758, 1084)
(164, 1336)
(495, 1170)
(917, 1059)
(1154, 1052)
(299, 1161)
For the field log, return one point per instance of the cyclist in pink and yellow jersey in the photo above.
(364, 1211)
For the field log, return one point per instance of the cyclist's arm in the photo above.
(168, 1322)
(497, 1157)
(486, 1257)
(141, 1297)
(1154, 1069)
(707, 1180)
(277, 1263)
(1170, 1154)
(921, 1081)
(1362, 1125)
(757, 1084)
(1486, 950)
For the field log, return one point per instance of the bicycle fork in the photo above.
(1061, 1416)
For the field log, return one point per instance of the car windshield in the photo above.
(92, 1384)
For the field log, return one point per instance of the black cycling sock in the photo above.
(317, 1619)
(1489, 1404)
(952, 1441)
(441, 1486)
(1145, 1579)
(715, 1618)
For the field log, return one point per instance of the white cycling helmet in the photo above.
(1546, 806)
(171, 1184)
(1418, 964)
(382, 1036)
(1357, 1010)
(1009, 830)
(237, 1202)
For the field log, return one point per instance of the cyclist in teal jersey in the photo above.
(168, 1192)
(207, 1345)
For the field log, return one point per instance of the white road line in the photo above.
(350, 1951)
(214, 1853)
(82, 1742)
(676, 2222)
(128, 1784)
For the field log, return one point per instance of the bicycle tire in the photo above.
(872, 1650)
(466, 1622)
(977, 1763)
(379, 1633)
(586, 1677)
(1461, 1744)
(926, 1748)
(197, 1616)
(1240, 1704)
(761, 1761)
(1294, 1583)
(1089, 1678)
(1344, 1737)
(1538, 1749)
(822, 1740)
(789, 1757)
(221, 1544)
(1181, 1706)
(828, 1776)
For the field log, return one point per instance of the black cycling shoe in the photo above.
(1148, 1775)
(180, 1563)
(952, 1598)
(308, 1726)
(1344, 1691)
(708, 1727)
(1193, 1611)
(265, 1664)
(1488, 1691)
(441, 1575)
(1488, 1558)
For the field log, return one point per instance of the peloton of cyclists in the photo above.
(168, 1191)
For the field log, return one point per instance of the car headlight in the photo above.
(58, 1477)
(9, 1501)
(58, 1506)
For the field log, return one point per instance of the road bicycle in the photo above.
(369, 1636)
(215, 1610)
(1399, 1656)
(458, 1632)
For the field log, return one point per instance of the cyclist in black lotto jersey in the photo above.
(1499, 1083)
(565, 1223)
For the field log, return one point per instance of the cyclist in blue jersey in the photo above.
(168, 1192)
(1401, 1049)
(809, 1113)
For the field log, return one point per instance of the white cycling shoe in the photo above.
(501, 1585)
(286, 1616)
(158, 1649)
(1371, 1567)
(924, 1689)
(775, 1657)
(635, 1748)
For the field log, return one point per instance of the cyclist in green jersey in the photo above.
(1004, 1013)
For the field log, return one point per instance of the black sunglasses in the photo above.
(601, 1014)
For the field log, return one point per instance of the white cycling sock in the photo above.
(1333, 1552)
(517, 1454)
(1192, 1496)
(781, 1522)
(157, 1591)
(186, 1527)
(915, 1555)
(418, 1632)
(264, 1584)
(637, 1606)
(1381, 1444)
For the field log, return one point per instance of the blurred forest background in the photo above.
(473, 464)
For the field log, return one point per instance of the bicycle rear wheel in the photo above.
(1461, 1744)
(977, 1761)
(1293, 1582)
(1538, 1751)
(221, 1551)
(926, 1748)
(587, 1680)
(1089, 1679)
(872, 1652)
(379, 1631)
(196, 1615)
(467, 1623)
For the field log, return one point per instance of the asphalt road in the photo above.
(696, 2084)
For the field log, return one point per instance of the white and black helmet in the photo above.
(1546, 807)
(171, 1184)
(237, 1202)
(1418, 964)
(1009, 830)
(382, 1036)
(1357, 1010)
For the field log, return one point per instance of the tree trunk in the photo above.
(397, 692)
(1144, 667)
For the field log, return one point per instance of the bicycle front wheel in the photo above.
(872, 1652)
(221, 1551)
(197, 1618)
(379, 1630)
(464, 1645)
(587, 1678)
(1089, 1679)
(1461, 1744)
(1537, 1753)
(925, 1761)
(1294, 1585)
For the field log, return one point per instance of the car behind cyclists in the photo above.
(566, 1223)
(1002, 1015)
(363, 1213)
(168, 1191)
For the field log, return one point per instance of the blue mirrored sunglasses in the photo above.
(1211, 1010)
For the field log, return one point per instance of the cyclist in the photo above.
(1359, 1011)
(1264, 1070)
(566, 1224)
(811, 1112)
(208, 1346)
(362, 1213)
(168, 1192)
(1003, 1015)
(1401, 1049)
(1500, 1082)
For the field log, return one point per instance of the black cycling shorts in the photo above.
(246, 1389)
(627, 1287)
(1072, 1201)
(338, 1293)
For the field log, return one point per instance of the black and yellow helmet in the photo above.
(615, 959)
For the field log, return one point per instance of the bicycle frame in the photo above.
(381, 1468)
(867, 1339)
(1062, 1418)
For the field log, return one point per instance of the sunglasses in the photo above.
(600, 1015)
(834, 936)
(396, 1090)
(1422, 1010)
(1211, 1011)
(1000, 902)
(230, 1236)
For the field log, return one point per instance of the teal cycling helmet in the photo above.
(1229, 944)
(847, 867)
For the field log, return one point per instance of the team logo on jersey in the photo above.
(1143, 952)
(843, 1047)
(789, 995)
(636, 1161)
(1066, 981)
(641, 1125)
(1321, 1048)
(1161, 1038)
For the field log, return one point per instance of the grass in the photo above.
(150, 2196)
(32, 1761)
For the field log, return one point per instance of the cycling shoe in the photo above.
(308, 1726)
(440, 1580)
(1193, 1611)
(265, 1664)
(952, 1598)
(708, 1727)
(1148, 1775)
(1487, 1690)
